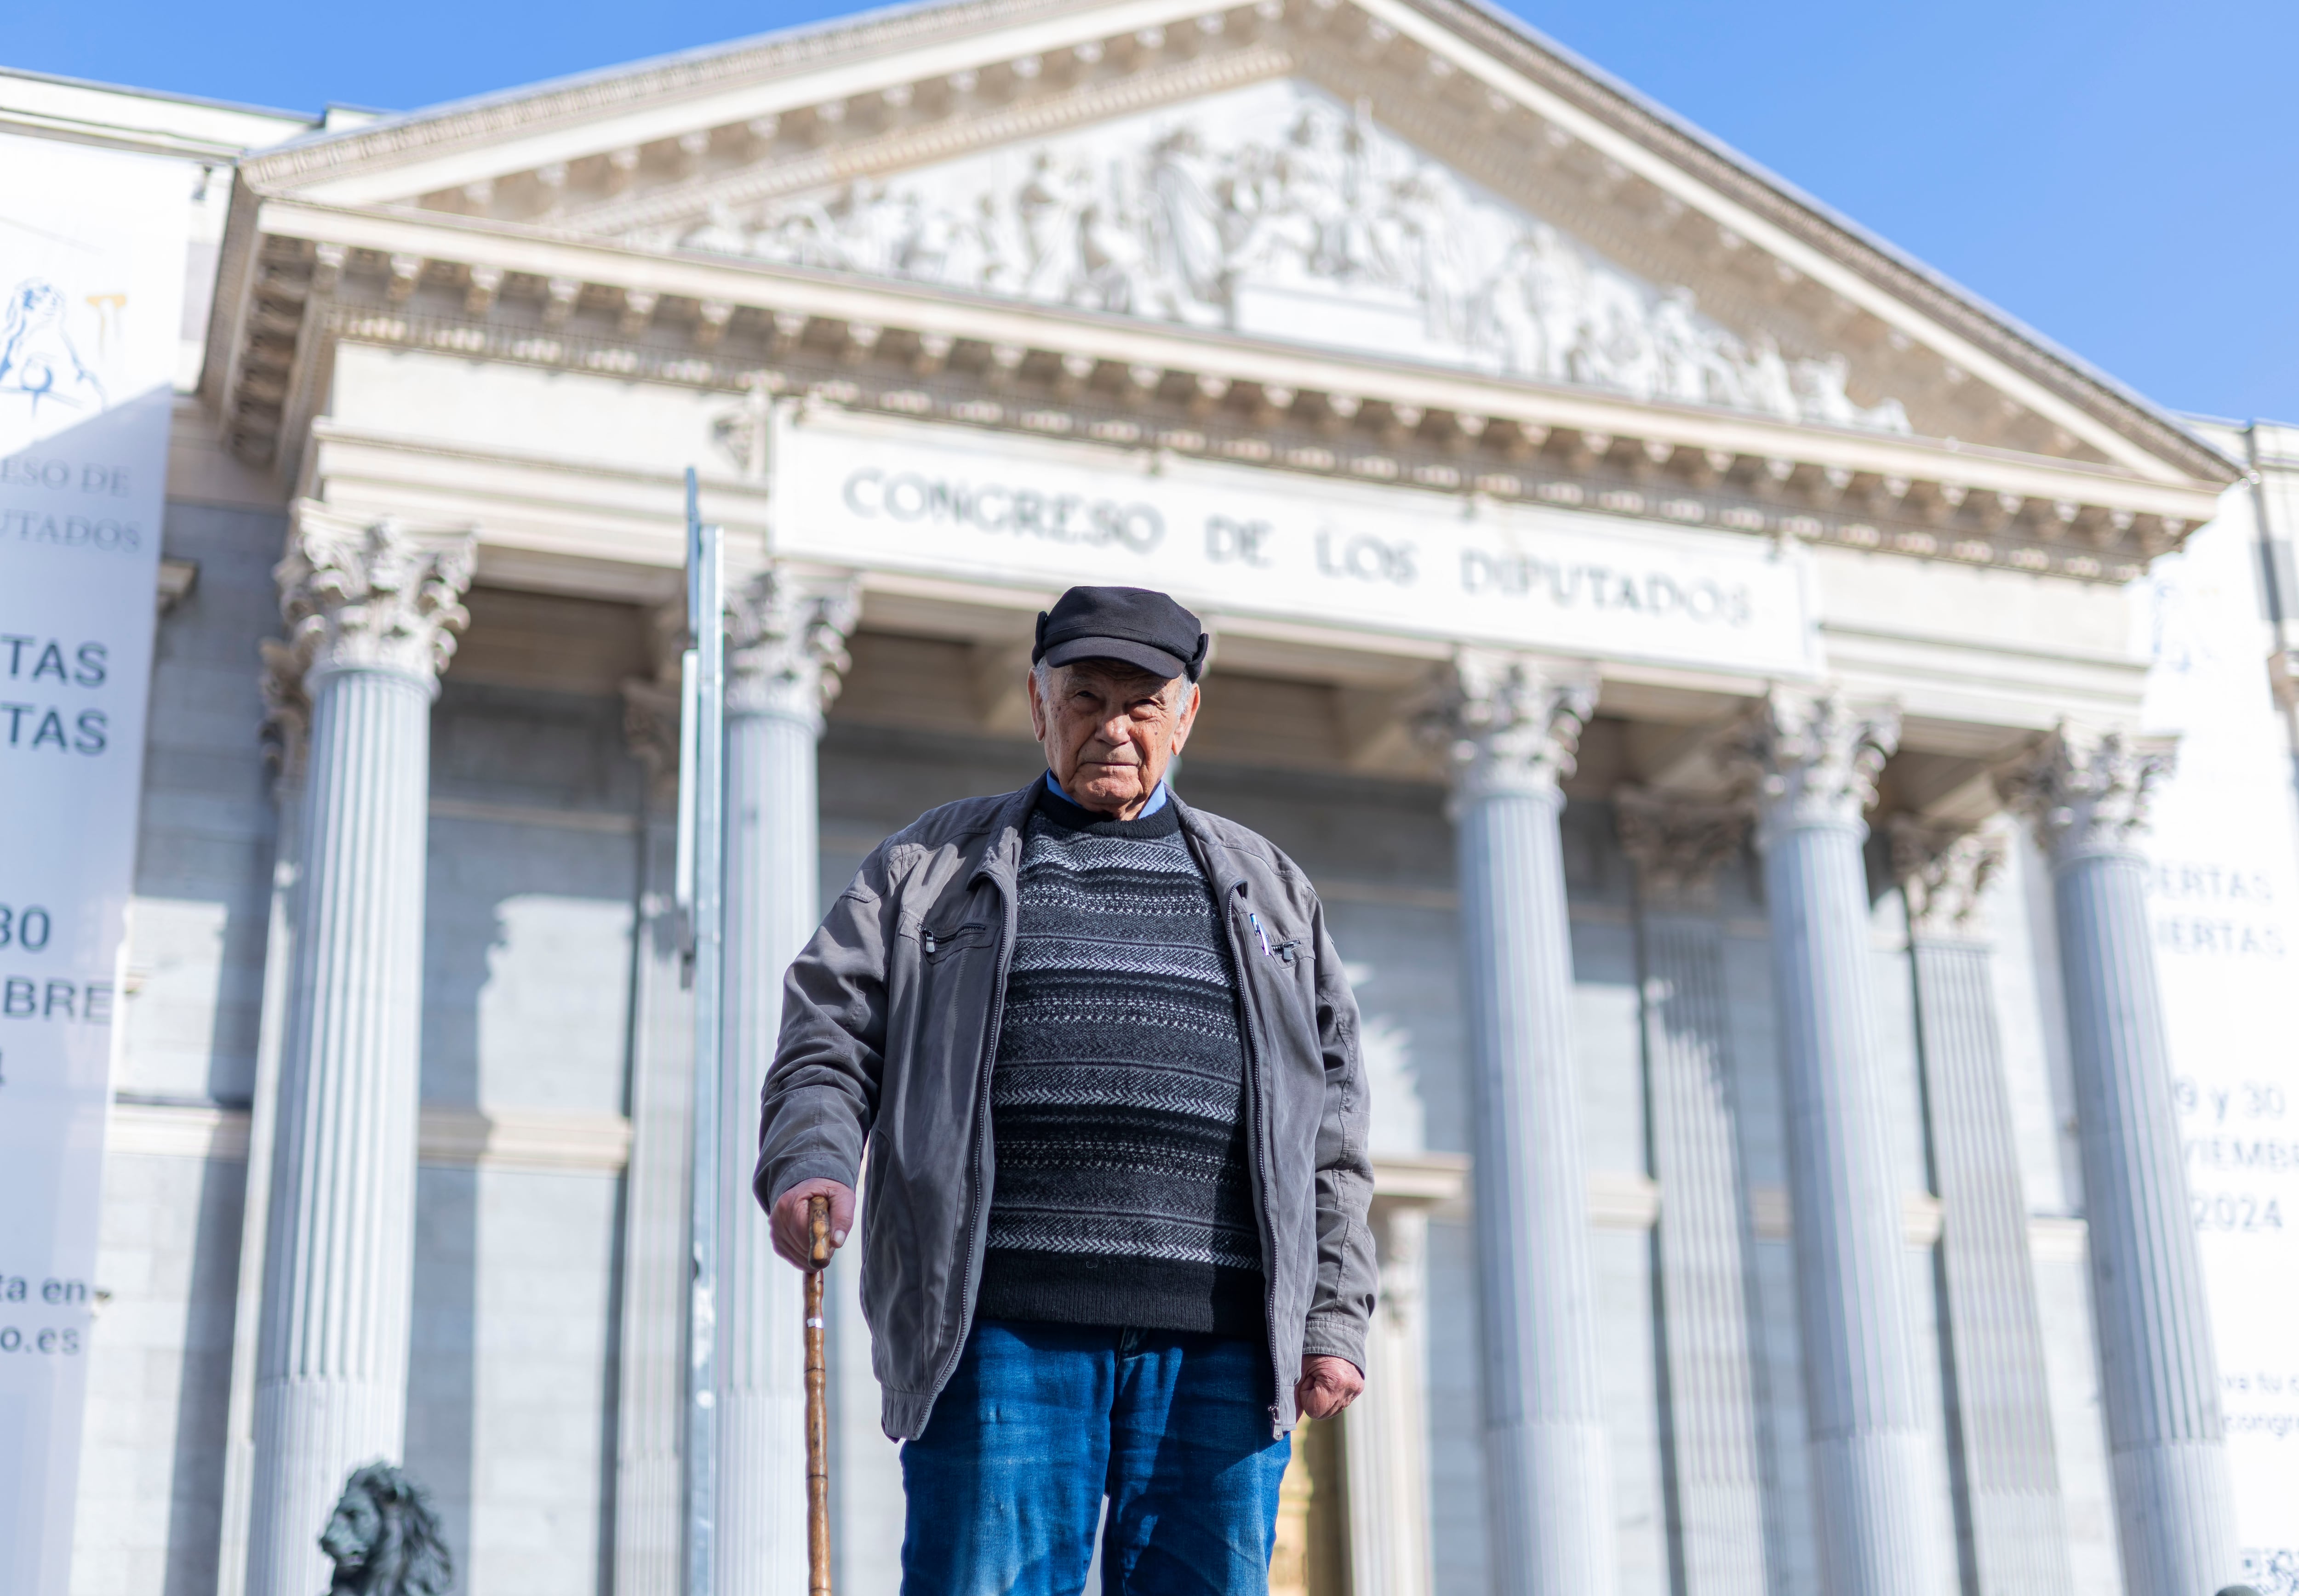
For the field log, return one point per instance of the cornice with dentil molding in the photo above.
(1944, 872)
(2084, 524)
(595, 96)
(2086, 792)
(1810, 758)
(1509, 723)
(1494, 105)
(786, 642)
(1293, 409)
(380, 596)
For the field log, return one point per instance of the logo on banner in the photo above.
(37, 360)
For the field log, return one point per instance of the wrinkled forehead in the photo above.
(1114, 678)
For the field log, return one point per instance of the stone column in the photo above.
(786, 652)
(2011, 1523)
(2088, 797)
(1715, 1461)
(650, 1396)
(1814, 763)
(286, 741)
(1513, 726)
(371, 611)
(1385, 1433)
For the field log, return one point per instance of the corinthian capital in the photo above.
(1678, 844)
(1945, 871)
(377, 596)
(286, 733)
(786, 643)
(1810, 758)
(2086, 792)
(1510, 725)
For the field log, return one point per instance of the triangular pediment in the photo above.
(1276, 210)
(1410, 180)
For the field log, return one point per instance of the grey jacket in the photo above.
(890, 1027)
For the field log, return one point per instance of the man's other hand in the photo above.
(1327, 1384)
(794, 1231)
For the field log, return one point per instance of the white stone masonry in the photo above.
(1386, 1431)
(2013, 1524)
(2087, 796)
(649, 1528)
(785, 652)
(1513, 726)
(372, 610)
(1705, 1234)
(1813, 762)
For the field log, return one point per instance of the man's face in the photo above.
(1110, 730)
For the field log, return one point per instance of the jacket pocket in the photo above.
(935, 945)
(1274, 972)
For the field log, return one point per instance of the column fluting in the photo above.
(2013, 1524)
(287, 740)
(1386, 1431)
(786, 650)
(2087, 795)
(1813, 763)
(1512, 726)
(372, 611)
(1704, 1238)
(656, 1265)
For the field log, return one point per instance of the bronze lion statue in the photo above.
(384, 1538)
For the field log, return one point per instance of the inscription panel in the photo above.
(1232, 541)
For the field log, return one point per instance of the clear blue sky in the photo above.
(2122, 175)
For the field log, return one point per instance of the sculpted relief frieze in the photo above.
(1278, 211)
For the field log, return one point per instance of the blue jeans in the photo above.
(1040, 1422)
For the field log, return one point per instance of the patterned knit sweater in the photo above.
(1122, 1196)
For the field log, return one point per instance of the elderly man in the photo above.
(1103, 1057)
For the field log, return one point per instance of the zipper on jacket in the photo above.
(1251, 1014)
(978, 1211)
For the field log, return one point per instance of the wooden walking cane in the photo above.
(817, 1406)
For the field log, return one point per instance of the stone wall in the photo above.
(533, 890)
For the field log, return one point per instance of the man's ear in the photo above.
(1188, 717)
(1037, 707)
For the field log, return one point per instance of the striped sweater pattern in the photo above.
(1121, 1196)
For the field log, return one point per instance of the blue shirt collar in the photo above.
(1156, 799)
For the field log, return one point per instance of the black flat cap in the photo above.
(1133, 625)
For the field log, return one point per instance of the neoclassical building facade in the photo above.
(1703, 656)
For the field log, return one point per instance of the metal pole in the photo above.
(703, 831)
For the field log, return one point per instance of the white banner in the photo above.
(92, 268)
(1233, 541)
(2225, 892)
